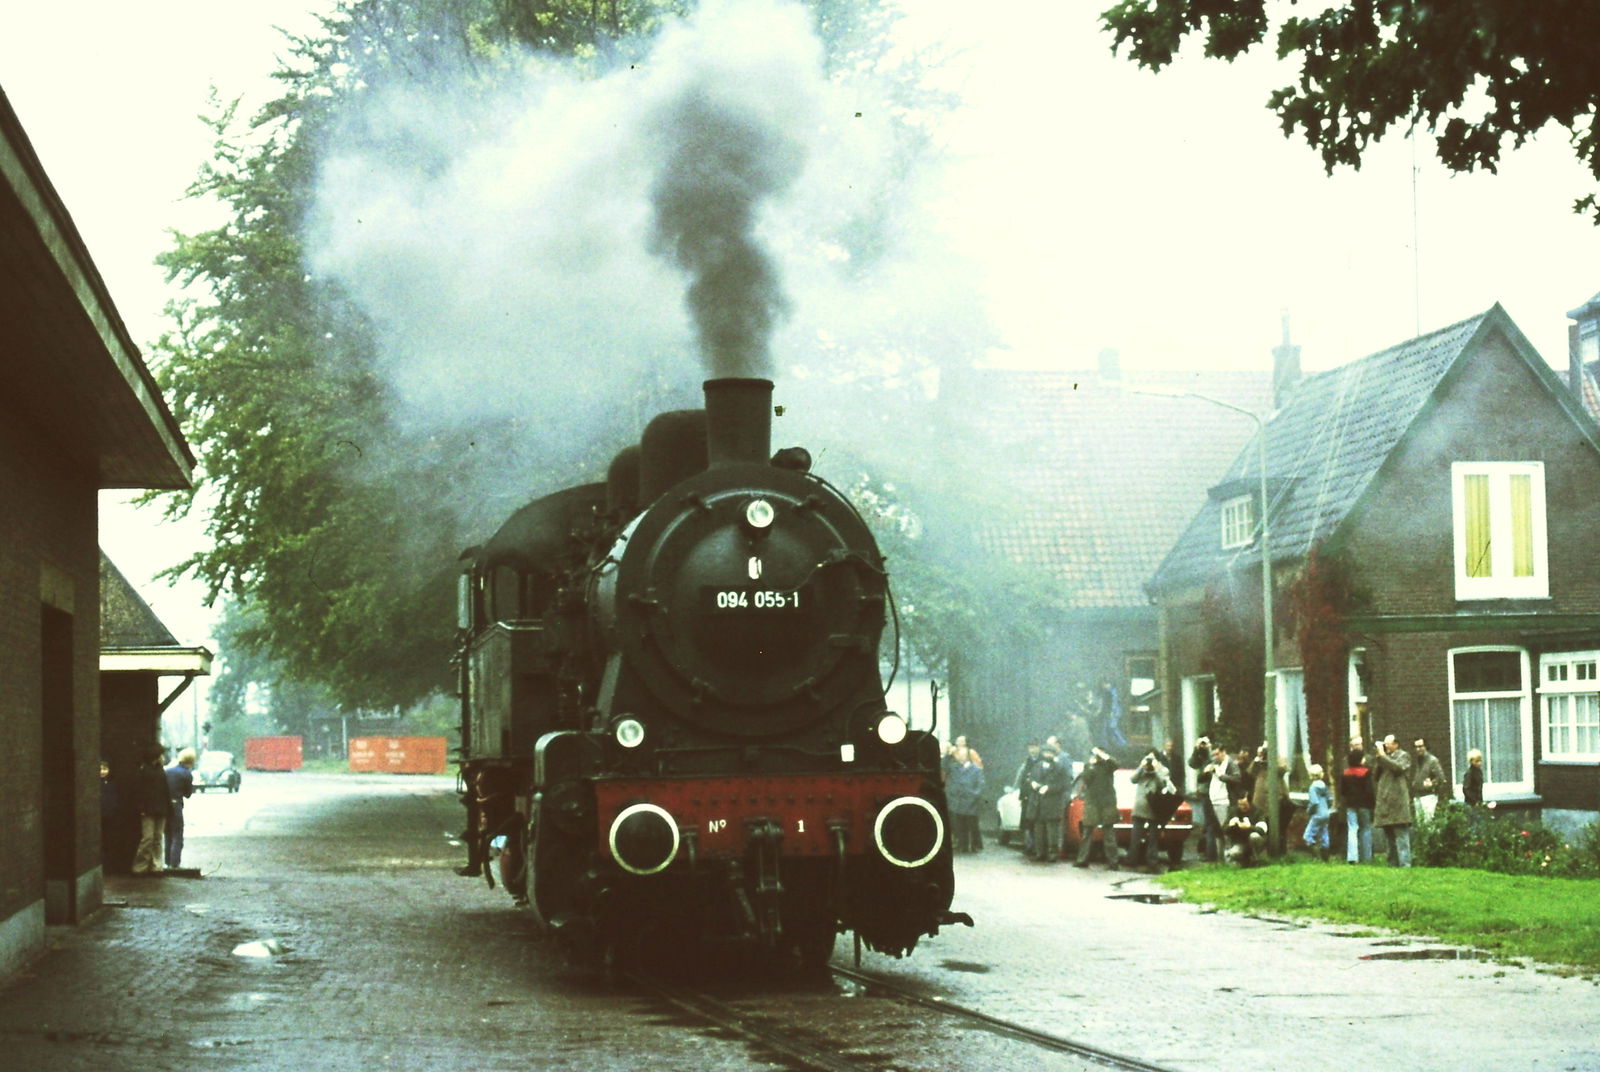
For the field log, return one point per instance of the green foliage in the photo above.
(1477, 75)
(1459, 836)
(1234, 654)
(1315, 609)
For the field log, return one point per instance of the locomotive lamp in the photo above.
(891, 728)
(629, 732)
(759, 514)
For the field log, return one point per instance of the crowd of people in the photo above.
(1382, 791)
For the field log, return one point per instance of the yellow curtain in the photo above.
(1521, 526)
(1475, 489)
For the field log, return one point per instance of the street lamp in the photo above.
(1269, 686)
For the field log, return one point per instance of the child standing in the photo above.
(1319, 804)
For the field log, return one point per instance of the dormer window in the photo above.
(1238, 521)
(1500, 548)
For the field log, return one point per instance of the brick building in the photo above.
(80, 413)
(1451, 485)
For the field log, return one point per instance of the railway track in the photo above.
(1044, 1040)
(768, 1028)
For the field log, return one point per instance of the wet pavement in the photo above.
(329, 932)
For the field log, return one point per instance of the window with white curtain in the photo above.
(1569, 694)
(1499, 522)
(1491, 705)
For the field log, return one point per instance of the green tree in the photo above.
(1476, 74)
(337, 521)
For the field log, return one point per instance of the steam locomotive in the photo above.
(673, 722)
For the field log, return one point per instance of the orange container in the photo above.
(398, 755)
(272, 753)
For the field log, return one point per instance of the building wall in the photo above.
(1496, 410)
(1400, 546)
(48, 557)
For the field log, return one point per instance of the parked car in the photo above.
(1173, 835)
(216, 770)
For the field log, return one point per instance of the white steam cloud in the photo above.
(552, 248)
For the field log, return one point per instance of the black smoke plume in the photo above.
(721, 164)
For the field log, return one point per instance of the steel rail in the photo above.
(1042, 1039)
(731, 1019)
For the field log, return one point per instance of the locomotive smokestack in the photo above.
(738, 421)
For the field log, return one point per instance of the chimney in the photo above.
(1285, 367)
(1583, 342)
(738, 421)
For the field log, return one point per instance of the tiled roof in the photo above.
(126, 620)
(1326, 445)
(1104, 479)
(1589, 388)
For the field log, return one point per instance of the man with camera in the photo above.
(1203, 761)
(1154, 800)
(1097, 787)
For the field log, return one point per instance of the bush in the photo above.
(1459, 836)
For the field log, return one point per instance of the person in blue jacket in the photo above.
(1319, 806)
(180, 787)
(962, 789)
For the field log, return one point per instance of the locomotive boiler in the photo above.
(674, 732)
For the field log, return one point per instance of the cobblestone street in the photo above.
(376, 956)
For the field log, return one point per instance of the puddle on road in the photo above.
(964, 966)
(246, 1002)
(1144, 898)
(268, 947)
(1428, 954)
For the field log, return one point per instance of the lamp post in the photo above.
(1269, 687)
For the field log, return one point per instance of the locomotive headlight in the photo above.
(759, 514)
(629, 732)
(908, 831)
(643, 839)
(891, 728)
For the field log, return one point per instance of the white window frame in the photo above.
(1238, 521)
(1522, 784)
(1356, 688)
(1500, 584)
(1563, 676)
(1289, 709)
(1193, 688)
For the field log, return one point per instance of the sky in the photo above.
(1103, 207)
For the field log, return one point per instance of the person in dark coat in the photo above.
(180, 787)
(1428, 784)
(962, 792)
(1356, 796)
(1049, 788)
(1027, 802)
(1392, 811)
(1472, 781)
(1097, 786)
(150, 797)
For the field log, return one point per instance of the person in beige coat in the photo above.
(1391, 768)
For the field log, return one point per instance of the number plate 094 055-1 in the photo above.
(734, 600)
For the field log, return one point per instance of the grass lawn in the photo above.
(1552, 920)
